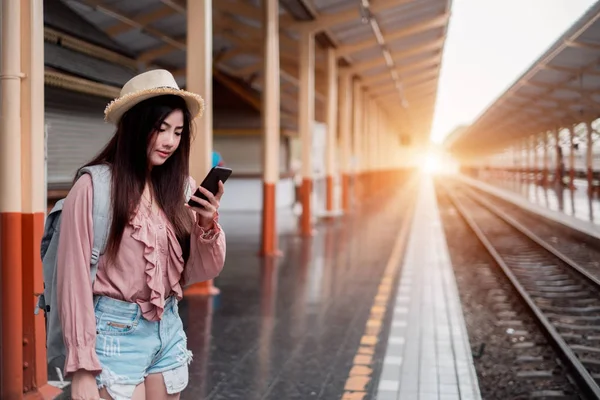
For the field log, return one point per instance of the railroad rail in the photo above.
(562, 294)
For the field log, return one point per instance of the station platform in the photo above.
(428, 355)
(291, 328)
(303, 326)
(573, 208)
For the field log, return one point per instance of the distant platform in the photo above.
(572, 208)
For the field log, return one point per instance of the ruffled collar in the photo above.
(146, 227)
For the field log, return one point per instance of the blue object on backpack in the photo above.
(216, 159)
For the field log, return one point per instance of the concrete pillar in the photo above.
(525, 154)
(271, 127)
(199, 80)
(546, 164)
(11, 383)
(559, 159)
(306, 113)
(345, 136)
(332, 116)
(377, 154)
(35, 376)
(534, 150)
(571, 157)
(357, 135)
(589, 155)
(366, 144)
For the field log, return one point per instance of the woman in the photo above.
(124, 337)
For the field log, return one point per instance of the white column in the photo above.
(199, 80)
(271, 127)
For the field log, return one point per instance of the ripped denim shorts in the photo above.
(130, 347)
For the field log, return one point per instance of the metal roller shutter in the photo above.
(76, 132)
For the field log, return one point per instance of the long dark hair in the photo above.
(126, 154)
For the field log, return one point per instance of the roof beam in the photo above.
(573, 71)
(326, 21)
(113, 12)
(407, 78)
(418, 80)
(582, 45)
(424, 48)
(156, 52)
(419, 27)
(247, 10)
(142, 20)
(251, 33)
(408, 71)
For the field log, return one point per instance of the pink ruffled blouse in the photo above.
(148, 268)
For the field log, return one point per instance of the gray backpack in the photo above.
(101, 216)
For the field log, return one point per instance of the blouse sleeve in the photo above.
(74, 287)
(207, 251)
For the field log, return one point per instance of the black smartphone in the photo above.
(211, 183)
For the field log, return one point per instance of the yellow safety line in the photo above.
(362, 368)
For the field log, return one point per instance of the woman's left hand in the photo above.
(208, 211)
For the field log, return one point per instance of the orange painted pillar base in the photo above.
(46, 392)
(346, 192)
(205, 288)
(305, 197)
(269, 245)
(35, 373)
(329, 202)
(12, 317)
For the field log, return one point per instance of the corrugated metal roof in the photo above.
(58, 15)
(352, 35)
(560, 89)
(84, 66)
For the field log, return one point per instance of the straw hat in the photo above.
(150, 84)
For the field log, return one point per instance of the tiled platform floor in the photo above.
(290, 328)
(428, 354)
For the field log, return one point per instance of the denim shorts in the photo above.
(130, 347)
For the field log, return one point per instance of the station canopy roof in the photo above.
(561, 89)
(394, 46)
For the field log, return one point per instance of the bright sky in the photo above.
(490, 43)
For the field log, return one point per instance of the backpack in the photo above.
(101, 216)
(101, 220)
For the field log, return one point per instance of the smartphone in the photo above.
(211, 183)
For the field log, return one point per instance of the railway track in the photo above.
(562, 295)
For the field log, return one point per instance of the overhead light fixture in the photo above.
(388, 58)
(365, 13)
(377, 32)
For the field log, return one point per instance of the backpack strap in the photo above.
(101, 210)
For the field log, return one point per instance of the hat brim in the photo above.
(116, 108)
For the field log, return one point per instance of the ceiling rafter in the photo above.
(433, 45)
(142, 20)
(437, 22)
(118, 15)
(406, 73)
(325, 21)
(430, 73)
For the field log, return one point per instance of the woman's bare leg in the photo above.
(138, 394)
(156, 389)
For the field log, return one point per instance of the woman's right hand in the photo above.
(83, 386)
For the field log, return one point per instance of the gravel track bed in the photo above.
(512, 357)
